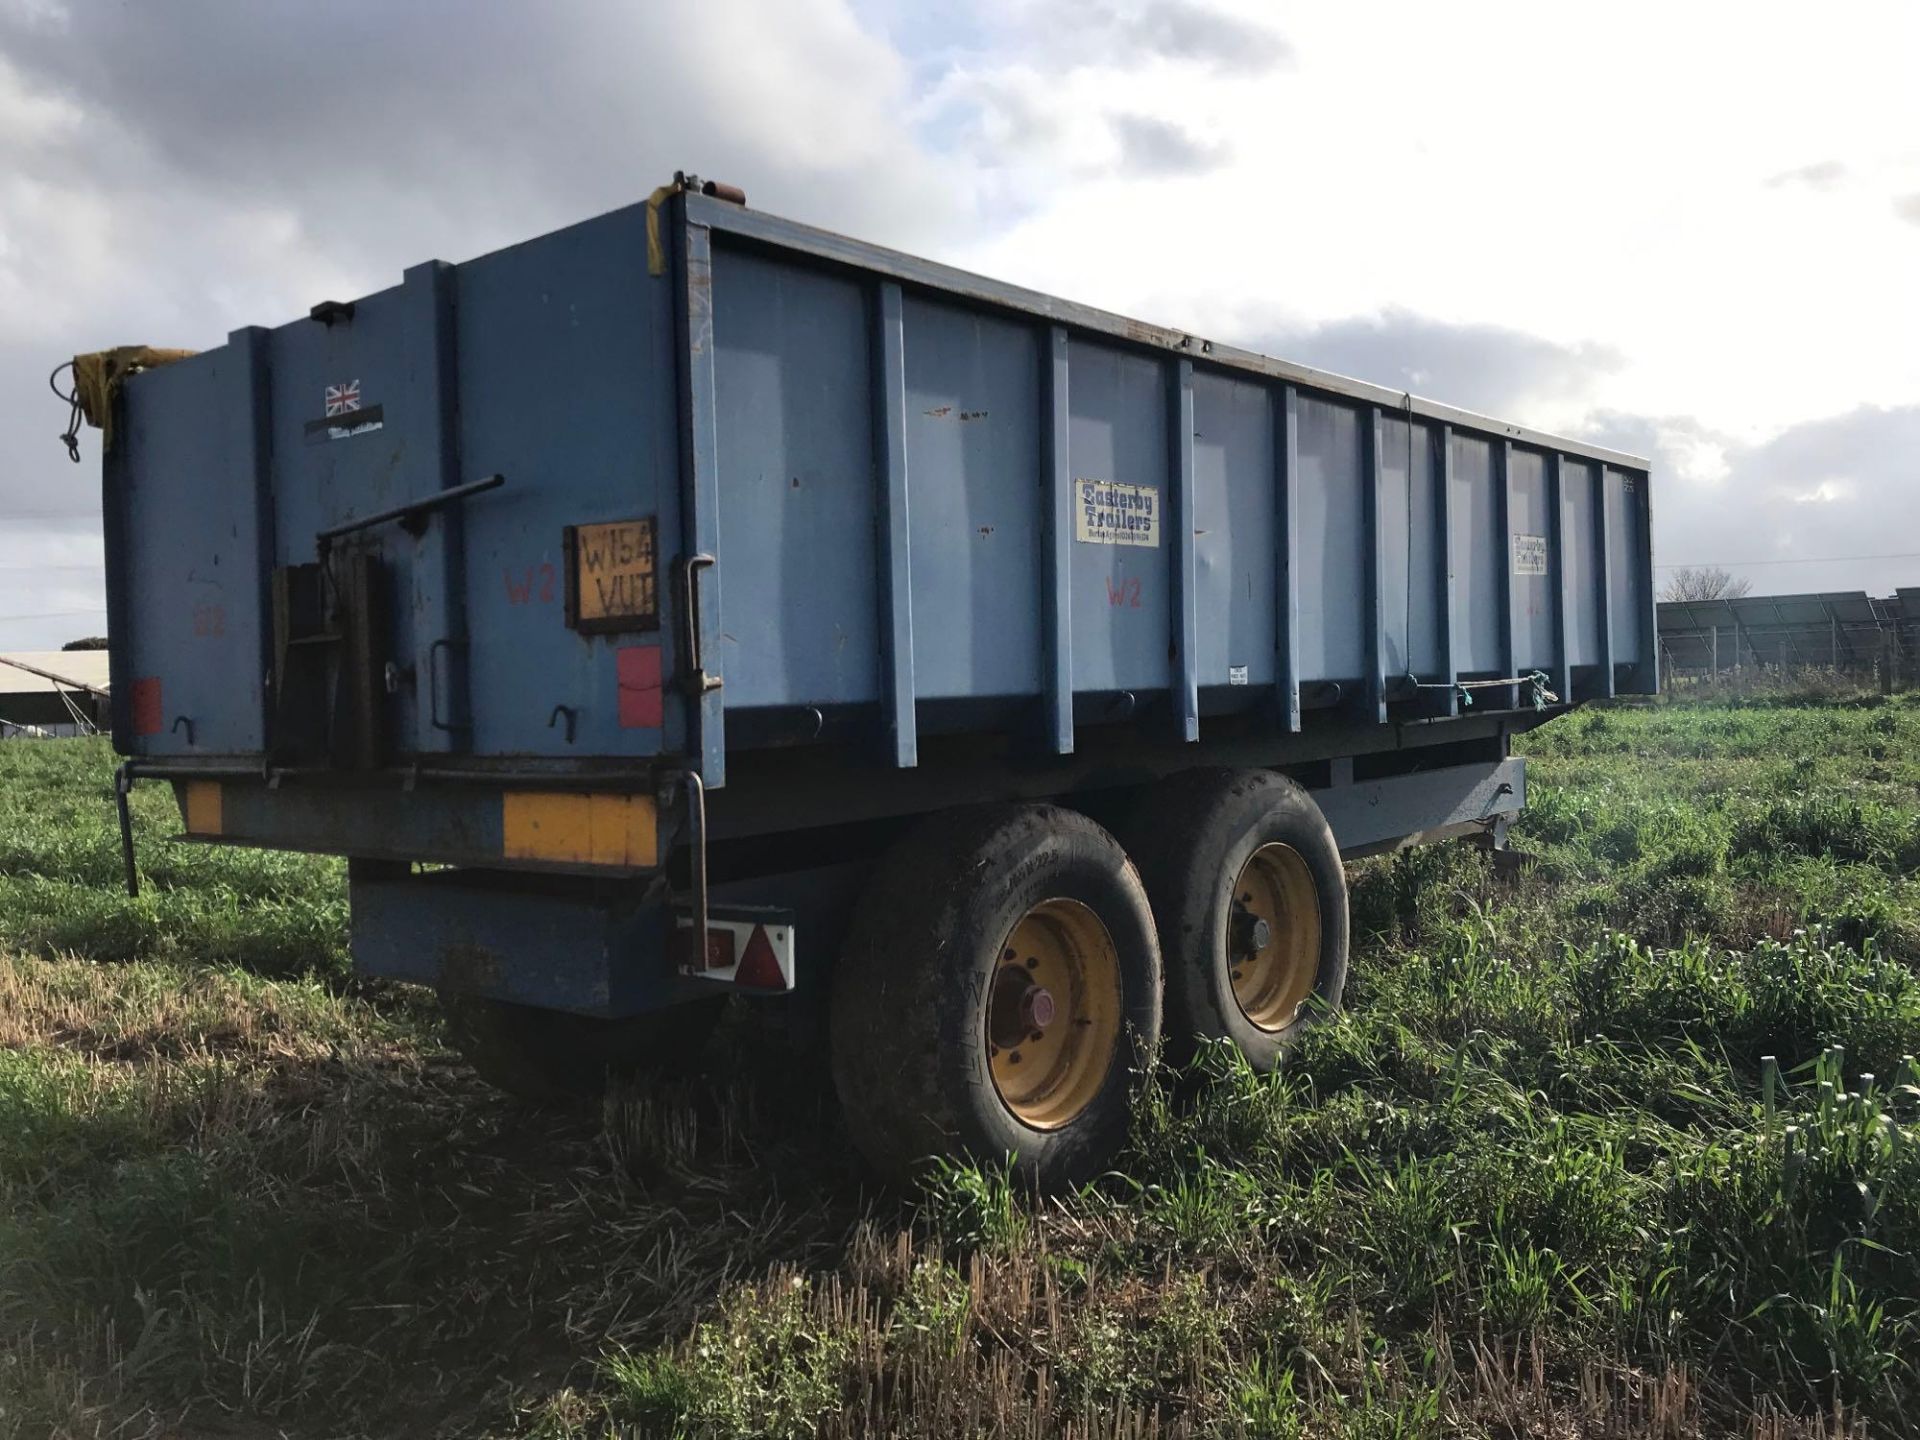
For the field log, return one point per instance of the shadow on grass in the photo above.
(315, 1231)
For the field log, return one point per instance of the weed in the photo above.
(976, 1205)
(765, 1367)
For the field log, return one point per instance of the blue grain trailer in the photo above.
(691, 601)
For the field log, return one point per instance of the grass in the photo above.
(1626, 1145)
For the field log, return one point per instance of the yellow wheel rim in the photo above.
(1053, 1013)
(1273, 936)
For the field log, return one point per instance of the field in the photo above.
(1624, 1144)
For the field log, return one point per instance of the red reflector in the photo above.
(759, 967)
(144, 711)
(637, 673)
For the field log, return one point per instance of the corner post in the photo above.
(1185, 680)
(1604, 563)
(1562, 583)
(890, 439)
(1286, 571)
(1509, 651)
(1449, 589)
(1374, 485)
(1057, 592)
(437, 602)
(700, 495)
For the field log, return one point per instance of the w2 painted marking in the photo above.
(523, 590)
(1125, 595)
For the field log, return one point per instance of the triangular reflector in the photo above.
(759, 967)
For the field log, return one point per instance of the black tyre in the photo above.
(552, 1055)
(1251, 901)
(999, 995)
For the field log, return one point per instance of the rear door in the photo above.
(524, 622)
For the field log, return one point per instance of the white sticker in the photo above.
(1529, 554)
(1109, 513)
(1236, 675)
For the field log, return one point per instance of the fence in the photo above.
(1846, 632)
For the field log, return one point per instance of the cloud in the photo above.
(1907, 207)
(1804, 503)
(371, 120)
(1154, 147)
(1488, 368)
(1821, 175)
(1183, 31)
(1827, 492)
(1029, 99)
(1077, 34)
(165, 178)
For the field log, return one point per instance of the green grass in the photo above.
(1634, 1135)
(62, 887)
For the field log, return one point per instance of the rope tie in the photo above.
(70, 437)
(1542, 692)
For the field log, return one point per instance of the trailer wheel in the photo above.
(999, 996)
(553, 1055)
(1251, 902)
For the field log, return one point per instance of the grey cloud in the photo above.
(372, 120)
(1150, 146)
(1665, 440)
(1061, 34)
(1871, 436)
(1842, 486)
(50, 569)
(1821, 175)
(1479, 367)
(1004, 105)
(1003, 118)
(1907, 207)
(1184, 31)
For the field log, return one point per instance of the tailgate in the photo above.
(279, 593)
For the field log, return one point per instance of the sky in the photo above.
(1688, 231)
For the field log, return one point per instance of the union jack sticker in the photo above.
(342, 399)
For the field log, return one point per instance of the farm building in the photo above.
(1846, 631)
(53, 692)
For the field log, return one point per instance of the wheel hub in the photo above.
(1021, 1008)
(1053, 1013)
(1273, 936)
(1251, 933)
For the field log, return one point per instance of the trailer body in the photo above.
(651, 573)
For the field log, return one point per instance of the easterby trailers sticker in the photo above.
(1110, 513)
(1529, 554)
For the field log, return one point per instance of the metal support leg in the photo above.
(122, 787)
